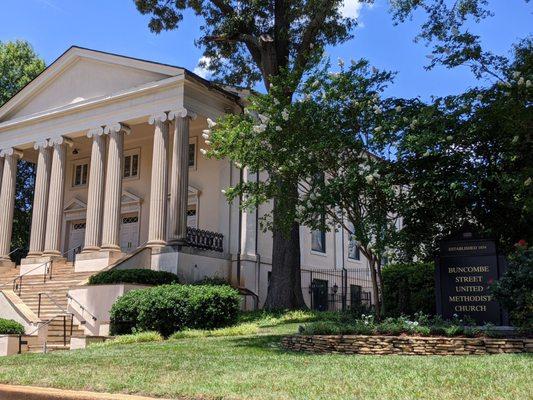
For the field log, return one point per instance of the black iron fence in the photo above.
(205, 240)
(337, 289)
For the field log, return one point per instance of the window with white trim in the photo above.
(81, 174)
(353, 249)
(132, 163)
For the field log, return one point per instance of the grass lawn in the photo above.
(254, 367)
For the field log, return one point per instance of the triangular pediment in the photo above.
(80, 75)
(130, 198)
(75, 205)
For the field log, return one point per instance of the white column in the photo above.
(56, 197)
(40, 199)
(113, 186)
(179, 184)
(7, 200)
(159, 182)
(95, 194)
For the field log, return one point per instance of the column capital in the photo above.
(41, 144)
(99, 131)
(157, 117)
(181, 113)
(115, 127)
(11, 152)
(59, 140)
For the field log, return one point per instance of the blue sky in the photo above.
(52, 26)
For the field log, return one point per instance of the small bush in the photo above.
(10, 327)
(171, 308)
(212, 280)
(408, 289)
(139, 276)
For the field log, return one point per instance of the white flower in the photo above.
(223, 191)
(528, 83)
(238, 165)
(398, 108)
(516, 74)
(449, 138)
(276, 102)
(376, 175)
(369, 178)
(278, 128)
(377, 129)
(259, 128)
(207, 142)
(285, 114)
(521, 81)
(246, 111)
(264, 118)
(205, 135)
(203, 151)
(527, 182)
(211, 123)
(341, 63)
(377, 111)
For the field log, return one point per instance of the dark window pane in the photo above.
(77, 178)
(135, 165)
(127, 166)
(192, 154)
(85, 169)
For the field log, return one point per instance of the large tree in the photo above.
(253, 41)
(19, 64)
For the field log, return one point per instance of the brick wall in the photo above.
(406, 345)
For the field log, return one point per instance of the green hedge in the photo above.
(171, 308)
(10, 327)
(409, 288)
(140, 276)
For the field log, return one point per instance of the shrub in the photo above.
(171, 308)
(515, 289)
(10, 327)
(408, 289)
(212, 280)
(140, 276)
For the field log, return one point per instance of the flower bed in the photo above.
(405, 345)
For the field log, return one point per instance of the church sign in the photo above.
(465, 269)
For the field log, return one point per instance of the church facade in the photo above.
(121, 181)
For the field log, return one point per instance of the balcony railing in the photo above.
(205, 240)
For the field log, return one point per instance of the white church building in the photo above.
(121, 181)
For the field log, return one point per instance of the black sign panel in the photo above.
(465, 270)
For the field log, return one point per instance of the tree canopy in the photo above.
(19, 65)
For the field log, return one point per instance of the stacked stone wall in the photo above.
(406, 345)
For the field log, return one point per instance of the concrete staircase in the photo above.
(52, 307)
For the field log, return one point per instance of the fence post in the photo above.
(344, 289)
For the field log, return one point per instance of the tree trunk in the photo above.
(375, 288)
(285, 290)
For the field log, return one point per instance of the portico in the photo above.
(112, 158)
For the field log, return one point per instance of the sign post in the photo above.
(466, 267)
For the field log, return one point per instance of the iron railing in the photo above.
(337, 289)
(83, 309)
(205, 240)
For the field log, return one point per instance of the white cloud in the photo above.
(351, 8)
(203, 70)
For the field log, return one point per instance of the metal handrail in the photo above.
(11, 252)
(52, 300)
(83, 309)
(43, 324)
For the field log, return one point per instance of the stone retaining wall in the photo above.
(406, 345)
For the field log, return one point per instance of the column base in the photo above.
(51, 253)
(96, 260)
(89, 249)
(156, 243)
(35, 265)
(34, 254)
